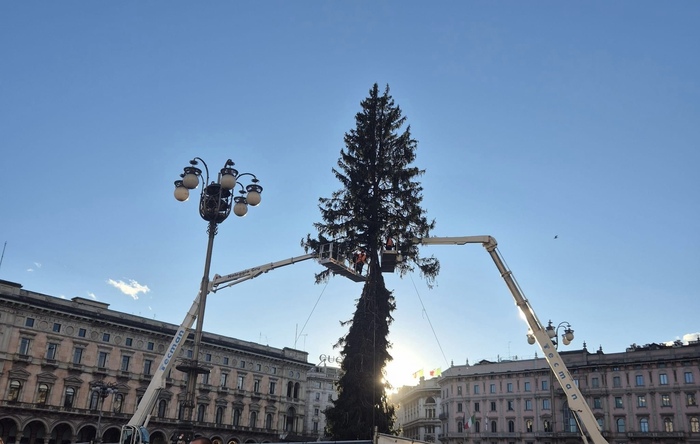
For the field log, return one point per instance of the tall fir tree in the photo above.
(380, 199)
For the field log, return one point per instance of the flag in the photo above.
(435, 372)
(418, 374)
(469, 423)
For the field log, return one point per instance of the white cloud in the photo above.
(92, 295)
(132, 288)
(37, 264)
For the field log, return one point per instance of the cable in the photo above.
(428, 317)
(312, 312)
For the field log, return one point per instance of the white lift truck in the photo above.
(135, 432)
(577, 403)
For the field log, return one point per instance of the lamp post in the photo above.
(103, 390)
(216, 201)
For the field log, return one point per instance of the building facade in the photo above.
(52, 349)
(644, 395)
(321, 392)
(417, 411)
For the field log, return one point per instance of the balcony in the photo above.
(22, 358)
(656, 435)
(52, 363)
(442, 416)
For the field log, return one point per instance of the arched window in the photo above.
(268, 421)
(460, 427)
(694, 425)
(181, 411)
(511, 426)
(118, 403)
(290, 389)
(528, 425)
(644, 425)
(94, 400)
(600, 423)
(219, 415)
(547, 425)
(201, 409)
(477, 427)
(493, 427)
(620, 425)
(296, 390)
(15, 387)
(236, 417)
(668, 424)
(43, 394)
(69, 397)
(162, 407)
(253, 419)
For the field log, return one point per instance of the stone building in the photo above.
(52, 349)
(417, 410)
(644, 395)
(321, 391)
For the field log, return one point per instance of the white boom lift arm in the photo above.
(577, 403)
(135, 432)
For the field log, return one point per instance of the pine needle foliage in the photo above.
(379, 198)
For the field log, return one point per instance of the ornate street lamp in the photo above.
(216, 201)
(103, 390)
(553, 333)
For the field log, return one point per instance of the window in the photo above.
(597, 404)
(459, 390)
(102, 359)
(274, 370)
(24, 346)
(476, 389)
(620, 424)
(641, 401)
(129, 342)
(51, 351)
(256, 386)
(94, 400)
(318, 396)
(668, 424)
(253, 419)
(78, 355)
(219, 415)
(528, 425)
(162, 406)
(600, 423)
(29, 322)
(150, 346)
(316, 426)
(639, 380)
(546, 425)
(242, 364)
(125, 363)
(511, 405)
(494, 427)
(665, 400)
(56, 327)
(268, 421)
(690, 399)
(663, 379)
(82, 332)
(225, 360)
(492, 388)
(545, 384)
(460, 427)
(207, 357)
(273, 386)
(546, 404)
(459, 407)
(688, 376)
(511, 426)
(493, 406)
(205, 378)
(595, 382)
(527, 386)
(694, 425)
(69, 397)
(476, 406)
(330, 398)
(315, 412)
(644, 425)
(528, 404)
(118, 403)
(105, 337)
(509, 387)
(617, 381)
(189, 354)
(258, 367)
(618, 402)
(239, 383)
(201, 410)
(223, 379)
(147, 365)
(237, 417)
(477, 426)
(15, 388)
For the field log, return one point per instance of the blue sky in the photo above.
(534, 119)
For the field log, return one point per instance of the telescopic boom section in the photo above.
(577, 403)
